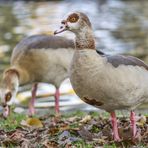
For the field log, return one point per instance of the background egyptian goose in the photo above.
(107, 82)
(38, 58)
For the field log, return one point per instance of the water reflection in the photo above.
(119, 26)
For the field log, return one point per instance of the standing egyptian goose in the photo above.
(38, 58)
(107, 82)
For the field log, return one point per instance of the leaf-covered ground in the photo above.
(76, 130)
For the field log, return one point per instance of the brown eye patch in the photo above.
(73, 18)
(8, 96)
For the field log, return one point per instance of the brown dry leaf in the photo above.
(9, 141)
(107, 131)
(52, 131)
(125, 133)
(66, 139)
(85, 134)
(32, 122)
(25, 144)
(64, 127)
(17, 135)
(86, 119)
(50, 144)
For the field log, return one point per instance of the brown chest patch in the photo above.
(92, 101)
(90, 44)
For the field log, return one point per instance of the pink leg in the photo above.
(133, 124)
(32, 101)
(115, 126)
(57, 96)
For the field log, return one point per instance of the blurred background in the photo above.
(120, 26)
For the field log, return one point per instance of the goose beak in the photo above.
(63, 28)
(6, 111)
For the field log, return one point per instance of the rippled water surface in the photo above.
(119, 25)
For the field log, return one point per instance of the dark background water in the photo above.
(120, 26)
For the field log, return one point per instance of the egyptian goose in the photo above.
(38, 58)
(104, 81)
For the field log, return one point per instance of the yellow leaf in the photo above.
(142, 120)
(32, 122)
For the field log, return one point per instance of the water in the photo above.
(119, 26)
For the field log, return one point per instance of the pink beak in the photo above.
(60, 30)
(6, 111)
(63, 28)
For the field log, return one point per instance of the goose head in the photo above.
(74, 22)
(8, 90)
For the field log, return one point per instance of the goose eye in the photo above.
(73, 19)
(8, 96)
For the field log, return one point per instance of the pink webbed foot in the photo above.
(31, 111)
(57, 96)
(133, 124)
(32, 101)
(115, 127)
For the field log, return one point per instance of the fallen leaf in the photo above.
(65, 139)
(125, 133)
(25, 144)
(85, 134)
(141, 120)
(53, 130)
(69, 132)
(32, 122)
(50, 144)
(86, 119)
(17, 135)
(72, 119)
(102, 141)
